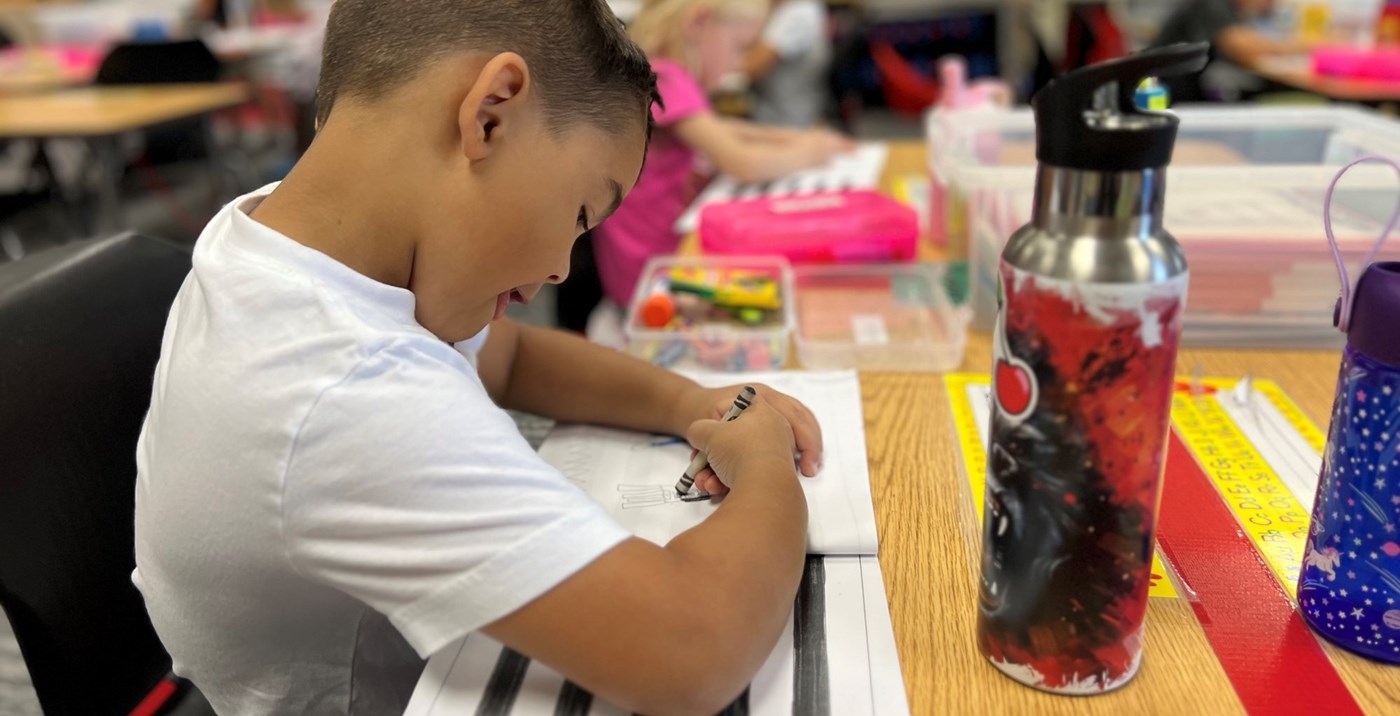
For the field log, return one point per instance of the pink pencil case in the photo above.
(841, 227)
(1357, 63)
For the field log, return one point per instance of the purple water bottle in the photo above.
(1349, 588)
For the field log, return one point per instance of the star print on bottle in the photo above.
(1350, 583)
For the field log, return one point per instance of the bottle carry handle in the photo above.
(1343, 320)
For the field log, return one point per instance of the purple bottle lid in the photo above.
(1375, 314)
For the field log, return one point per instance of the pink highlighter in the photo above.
(840, 227)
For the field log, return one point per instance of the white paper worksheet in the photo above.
(836, 657)
(634, 475)
(860, 169)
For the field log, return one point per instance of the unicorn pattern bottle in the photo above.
(1349, 588)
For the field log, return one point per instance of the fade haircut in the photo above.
(582, 63)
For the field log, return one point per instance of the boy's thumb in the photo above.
(701, 432)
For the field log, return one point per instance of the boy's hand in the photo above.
(761, 439)
(805, 433)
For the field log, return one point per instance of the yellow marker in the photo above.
(974, 453)
(1313, 21)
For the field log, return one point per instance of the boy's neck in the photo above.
(349, 198)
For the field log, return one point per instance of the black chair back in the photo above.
(145, 63)
(182, 62)
(80, 334)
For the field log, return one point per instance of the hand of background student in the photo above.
(806, 434)
(825, 144)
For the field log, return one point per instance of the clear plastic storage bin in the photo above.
(878, 317)
(1244, 197)
(716, 340)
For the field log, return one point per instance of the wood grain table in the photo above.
(99, 115)
(106, 111)
(929, 546)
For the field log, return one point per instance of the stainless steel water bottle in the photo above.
(1091, 297)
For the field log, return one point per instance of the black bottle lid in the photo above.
(1072, 133)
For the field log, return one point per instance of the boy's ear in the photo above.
(494, 106)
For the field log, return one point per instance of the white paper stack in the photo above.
(634, 474)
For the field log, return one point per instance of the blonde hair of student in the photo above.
(659, 27)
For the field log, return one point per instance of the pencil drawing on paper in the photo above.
(635, 496)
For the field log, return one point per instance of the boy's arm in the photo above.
(682, 629)
(562, 376)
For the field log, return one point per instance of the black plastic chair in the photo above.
(80, 334)
(155, 63)
(147, 63)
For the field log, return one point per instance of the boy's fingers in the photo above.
(709, 482)
(806, 433)
(700, 433)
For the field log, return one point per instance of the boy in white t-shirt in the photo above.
(328, 491)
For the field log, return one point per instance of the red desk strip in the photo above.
(1274, 661)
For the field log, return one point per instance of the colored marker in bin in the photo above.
(701, 461)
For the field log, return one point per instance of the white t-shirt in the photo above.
(794, 91)
(326, 494)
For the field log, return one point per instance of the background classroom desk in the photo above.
(99, 115)
(928, 546)
(30, 70)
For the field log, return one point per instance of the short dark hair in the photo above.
(581, 61)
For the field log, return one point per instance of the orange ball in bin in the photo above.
(658, 310)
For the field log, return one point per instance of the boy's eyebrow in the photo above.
(616, 200)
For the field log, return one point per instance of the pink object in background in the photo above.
(79, 60)
(841, 227)
(960, 96)
(32, 68)
(1358, 63)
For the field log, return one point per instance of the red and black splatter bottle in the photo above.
(1091, 299)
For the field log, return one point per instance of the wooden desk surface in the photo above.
(1297, 72)
(929, 544)
(100, 111)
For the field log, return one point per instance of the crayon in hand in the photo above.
(702, 460)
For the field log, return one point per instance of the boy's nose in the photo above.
(559, 276)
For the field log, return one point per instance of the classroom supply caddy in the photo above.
(730, 314)
(878, 317)
(1244, 198)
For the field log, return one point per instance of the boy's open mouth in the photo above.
(505, 299)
